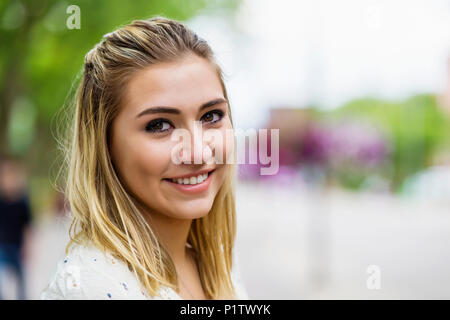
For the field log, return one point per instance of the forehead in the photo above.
(186, 83)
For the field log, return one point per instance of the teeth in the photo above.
(191, 180)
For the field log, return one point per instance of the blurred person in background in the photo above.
(15, 217)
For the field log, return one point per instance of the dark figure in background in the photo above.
(15, 217)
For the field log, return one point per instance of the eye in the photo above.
(213, 116)
(158, 125)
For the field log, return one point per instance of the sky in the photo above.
(289, 53)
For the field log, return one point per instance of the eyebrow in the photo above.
(165, 109)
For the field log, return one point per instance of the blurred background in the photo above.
(360, 90)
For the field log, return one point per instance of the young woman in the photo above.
(145, 227)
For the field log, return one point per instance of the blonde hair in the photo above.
(104, 213)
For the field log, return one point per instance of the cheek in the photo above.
(140, 163)
(142, 160)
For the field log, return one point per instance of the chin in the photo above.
(193, 209)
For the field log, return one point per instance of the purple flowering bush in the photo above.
(345, 151)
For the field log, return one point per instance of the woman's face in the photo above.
(141, 145)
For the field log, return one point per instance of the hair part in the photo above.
(104, 212)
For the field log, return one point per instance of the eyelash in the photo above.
(152, 123)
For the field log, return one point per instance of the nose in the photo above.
(195, 150)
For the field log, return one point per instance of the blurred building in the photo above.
(292, 123)
(291, 120)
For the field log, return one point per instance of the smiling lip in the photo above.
(196, 174)
(192, 188)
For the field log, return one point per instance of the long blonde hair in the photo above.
(103, 211)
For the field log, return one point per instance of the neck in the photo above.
(173, 234)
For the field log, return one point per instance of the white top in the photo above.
(88, 274)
